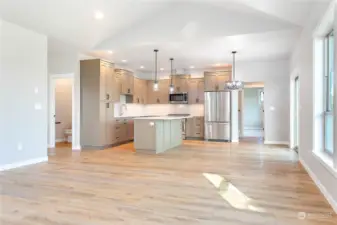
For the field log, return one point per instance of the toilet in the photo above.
(68, 135)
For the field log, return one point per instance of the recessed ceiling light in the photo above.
(218, 64)
(99, 15)
(142, 67)
(110, 52)
(124, 60)
(161, 69)
(192, 67)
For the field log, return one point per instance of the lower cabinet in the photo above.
(123, 130)
(195, 127)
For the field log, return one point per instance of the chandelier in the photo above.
(234, 84)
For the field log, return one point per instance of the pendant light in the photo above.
(171, 85)
(234, 84)
(155, 84)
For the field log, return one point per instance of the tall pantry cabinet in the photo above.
(99, 89)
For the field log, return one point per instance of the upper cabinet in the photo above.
(196, 91)
(126, 81)
(180, 83)
(98, 80)
(161, 96)
(215, 81)
(140, 91)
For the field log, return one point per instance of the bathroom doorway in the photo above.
(61, 111)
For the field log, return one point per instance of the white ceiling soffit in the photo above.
(185, 22)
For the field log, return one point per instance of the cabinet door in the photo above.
(130, 130)
(130, 89)
(110, 82)
(136, 91)
(102, 83)
(193, 91)
(154, 97)
(164, 91)
(110, 122)
(210, 82)
(102, 135)
(190, 127)
(201, 93)
(144, 88)
(180, 83)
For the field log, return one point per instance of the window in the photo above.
(261, 96)
(328, 93)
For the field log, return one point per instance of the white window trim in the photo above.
(326, 160)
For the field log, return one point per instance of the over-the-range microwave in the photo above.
(179, 98)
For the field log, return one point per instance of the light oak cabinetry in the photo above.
(196, 91)
(195, 127)
(215, 81)
(140, 91)
(98, 93)
(158, 97)
(124, 130)
(126, 80)
(180, 83)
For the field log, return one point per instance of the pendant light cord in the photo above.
(155, 70)
(233, 69)
(171, 71)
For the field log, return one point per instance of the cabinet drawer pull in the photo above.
(107, 96)
(198, 133)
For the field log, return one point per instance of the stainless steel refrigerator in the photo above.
(218, 116)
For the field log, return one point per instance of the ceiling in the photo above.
(199, 33)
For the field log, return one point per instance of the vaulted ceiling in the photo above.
(201, 33)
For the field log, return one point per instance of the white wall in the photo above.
(275, 76)
(302, 65)
(63, 106)
(252, 112)
(23, 95)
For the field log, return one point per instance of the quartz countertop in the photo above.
(163, 118)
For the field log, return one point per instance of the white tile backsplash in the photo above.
(158, 110)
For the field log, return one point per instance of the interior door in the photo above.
(210, 106)
(223, 106)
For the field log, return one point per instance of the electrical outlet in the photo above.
(20, 147)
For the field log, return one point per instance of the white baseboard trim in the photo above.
(60, 140)
(235, 141)
(23, 163)
(320, 186)
(76, 148)
(276, 143)
(51, 146)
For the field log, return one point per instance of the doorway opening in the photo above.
(251, 111)
(61, 113)
(296, 114)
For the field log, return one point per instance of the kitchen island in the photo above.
(157, 134)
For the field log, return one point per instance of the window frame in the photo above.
(327, 95)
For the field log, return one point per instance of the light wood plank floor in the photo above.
(197, 183)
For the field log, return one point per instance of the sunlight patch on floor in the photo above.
(231, 194)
